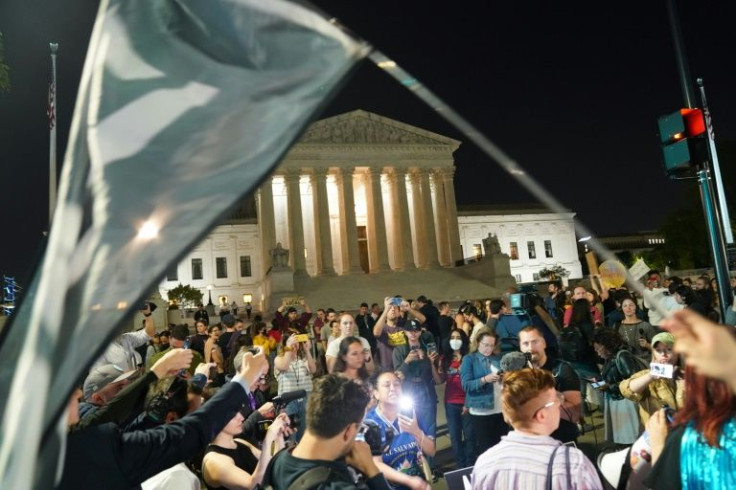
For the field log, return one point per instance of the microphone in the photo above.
(528, 358)
(513, 361)
(289, 396)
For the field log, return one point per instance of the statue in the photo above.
(491, 245)
(279, 256)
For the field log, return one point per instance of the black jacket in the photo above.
(103, 456)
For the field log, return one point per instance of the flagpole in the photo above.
(52, 132)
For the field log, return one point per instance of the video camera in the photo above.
(279, 403)
(526, 300)
(370, 433)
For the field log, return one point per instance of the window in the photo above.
(477, 251)
(173, 274)
(245, 266)
(535, 276)
(221, 267)
(517, 277)
(532, 250)
(196, 269)
(514, 251)
(548, 249)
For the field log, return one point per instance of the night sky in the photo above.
(571, 90)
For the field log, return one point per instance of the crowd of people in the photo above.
(294, 399)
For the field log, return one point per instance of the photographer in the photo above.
(294, 368)
(334, 413)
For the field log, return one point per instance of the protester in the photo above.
(652, 391)
(347, 329)
(334, 414)
(103, 455)
(637, 333)
(294, 368)
(480, 377)
(351, 360)
(459, 420)
(621, 422)
(528, 457)
(700, 449)
(401, 462)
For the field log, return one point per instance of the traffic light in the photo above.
(682, 135)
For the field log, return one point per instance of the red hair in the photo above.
(709, 403)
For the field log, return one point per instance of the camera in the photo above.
(370, 433)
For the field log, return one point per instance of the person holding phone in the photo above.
(480, 374)
(401, 462)
(650, 389)
(419, 370)
(294, 368)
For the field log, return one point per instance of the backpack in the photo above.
(572, 344)
(627, 364)
(309, 480)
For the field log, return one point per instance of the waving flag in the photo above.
(184, 106)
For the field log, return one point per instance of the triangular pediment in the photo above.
(360, 127)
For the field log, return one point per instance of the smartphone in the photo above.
(302, 337)
(598, 384)
(431, 348)
(661, 370)
(396, 301)
(187, 343)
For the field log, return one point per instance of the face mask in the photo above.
(455, 344)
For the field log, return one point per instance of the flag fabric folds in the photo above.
(184, 106)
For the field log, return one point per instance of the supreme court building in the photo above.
(359, 194)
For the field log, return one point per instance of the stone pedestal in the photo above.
(278, 284)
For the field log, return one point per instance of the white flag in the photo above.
(183, 108)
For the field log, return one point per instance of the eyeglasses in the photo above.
(559, 398)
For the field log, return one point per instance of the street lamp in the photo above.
(209, 290)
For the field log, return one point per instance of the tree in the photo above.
(554, 272)
(4, 69)
(184, 296)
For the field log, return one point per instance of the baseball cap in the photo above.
(665, 337)
(413, 325)
(102, 376)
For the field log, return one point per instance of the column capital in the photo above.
(292, 174)
(415, 175)
(446, 173)
(320, 171)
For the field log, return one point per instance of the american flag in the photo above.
(51, 105)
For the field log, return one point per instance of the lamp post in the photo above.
(210, 306)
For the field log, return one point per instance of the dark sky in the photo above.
(571, 90)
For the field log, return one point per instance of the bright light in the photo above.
(148, 231)
(387, 64)
(122, 305)
(585, 239)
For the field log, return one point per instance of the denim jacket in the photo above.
(474, 367)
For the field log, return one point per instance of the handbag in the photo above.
(548, 485)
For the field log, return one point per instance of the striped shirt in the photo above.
(520, 462)
(297, 377)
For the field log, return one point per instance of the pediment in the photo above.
(360, 127)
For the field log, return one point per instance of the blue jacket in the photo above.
(474, 367)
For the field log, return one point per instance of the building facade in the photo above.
(359, 194)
